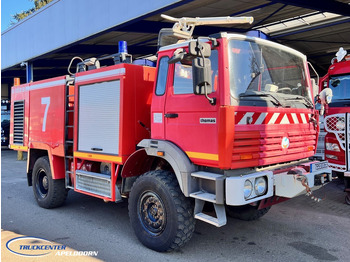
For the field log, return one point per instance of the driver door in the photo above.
(190, 120)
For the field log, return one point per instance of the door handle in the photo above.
(174, 115)
(96, 149)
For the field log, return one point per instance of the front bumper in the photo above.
(288, 183)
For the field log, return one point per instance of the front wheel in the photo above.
(161, 216)
(48, 192)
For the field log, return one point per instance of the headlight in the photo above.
(248, 188)
(260, 186)
(340, 125)
(332, 147)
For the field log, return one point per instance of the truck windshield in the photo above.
(263, 70)
(340, 86)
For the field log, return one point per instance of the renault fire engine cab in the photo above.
(337, 117)
(226, 120)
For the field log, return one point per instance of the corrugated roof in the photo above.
(315, 28)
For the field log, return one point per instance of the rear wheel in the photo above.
(161, 216)
(48, 192)
(247, 212)
(347, 199)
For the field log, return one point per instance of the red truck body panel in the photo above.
(44, 115)
(136, 84)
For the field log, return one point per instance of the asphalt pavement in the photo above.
(296, 230)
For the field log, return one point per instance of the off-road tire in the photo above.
(48, 192)
(247, 212)
(161, 216)
(347, 199)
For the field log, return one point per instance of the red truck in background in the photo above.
(226, 120)
(337, 118)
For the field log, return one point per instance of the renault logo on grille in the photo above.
(285, 142)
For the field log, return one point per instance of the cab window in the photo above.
(162, 75)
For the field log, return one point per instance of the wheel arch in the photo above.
(175, 157)
(33, 156)
(56, 164)
(137, 164)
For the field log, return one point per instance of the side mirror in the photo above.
(325, 98)
(201, 70)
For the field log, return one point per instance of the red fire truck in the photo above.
(337, 118)
(225, 120)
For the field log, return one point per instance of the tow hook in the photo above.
(313, 120)
(309, 193)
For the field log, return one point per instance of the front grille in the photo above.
(336, 124)
(261, 148)
(18, 122)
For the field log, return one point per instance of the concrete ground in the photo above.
(296, 230)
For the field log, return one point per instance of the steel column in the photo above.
(29, 72)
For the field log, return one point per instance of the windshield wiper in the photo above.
(277, 100)
(306, 102)
(253, 79)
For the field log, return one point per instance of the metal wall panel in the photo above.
(64, 22)
(99, 113)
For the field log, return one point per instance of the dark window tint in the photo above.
(162, 75)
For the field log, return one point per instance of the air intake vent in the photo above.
(18, 122)
(95, 183)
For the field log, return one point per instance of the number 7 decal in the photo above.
(45, 101)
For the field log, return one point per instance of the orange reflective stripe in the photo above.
(206, 156)
(17, 147)
(99, 157)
